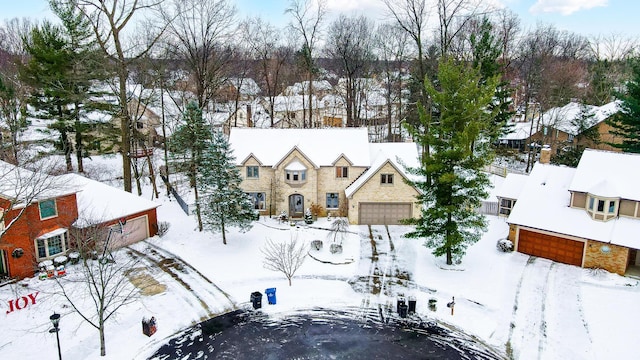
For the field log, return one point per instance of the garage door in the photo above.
(134, 230)
(551, 247)
(383, 213)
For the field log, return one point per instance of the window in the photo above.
(506, 205)
(47, 209)
(258, 200)
(252, 172)
(139, 125)
(53, 244)
(332, 201)
(296, 176)
(602, 208)
(342, 172)
(386, 179)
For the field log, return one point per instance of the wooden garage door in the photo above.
(383, 213)
(551, 247)
(134, 230)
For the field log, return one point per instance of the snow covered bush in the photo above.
(505, 245)
(163, 227)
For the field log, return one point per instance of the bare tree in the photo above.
(110, 19)
(272, 54)
(339, 229)
(101, 286)
(307, 22)
(286, 257)
(391, 48)
(20, 187)
(198, 32)
(350, 41)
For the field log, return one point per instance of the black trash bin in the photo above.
(256, 299)
(403, 310)
(412, 305)
(401, 301)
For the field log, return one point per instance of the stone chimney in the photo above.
(545, 154)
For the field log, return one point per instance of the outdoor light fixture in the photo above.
(55, 320)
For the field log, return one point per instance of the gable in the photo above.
(320, 146)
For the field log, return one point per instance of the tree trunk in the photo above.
(103, 349)
(224, 235)
(125, 121)
(66, 148)
(79, 149)
(152, 175)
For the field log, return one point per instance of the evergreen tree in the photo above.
(190, 141)
(626, 123)
(222, 201)
(486, 54)
(587, 135)
(459, 151)
(63, 66)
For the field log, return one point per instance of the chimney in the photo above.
(249, 119)
(545, 154)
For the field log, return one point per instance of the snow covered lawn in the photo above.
(525, 308)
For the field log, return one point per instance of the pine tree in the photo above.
(486, 54)
(63, 66)
(459, 151)
(626, 123)
(222, 201)
(587, 135)
(190, 140)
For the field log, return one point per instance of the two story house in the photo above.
(335, 169)
(587, 216)
(41, 214)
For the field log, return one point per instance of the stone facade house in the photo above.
(336, 170)
(588, 216)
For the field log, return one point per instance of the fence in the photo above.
(501, 170)
(181, 202)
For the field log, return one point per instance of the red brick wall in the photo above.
(28, 227)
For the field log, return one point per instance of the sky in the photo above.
(544, 310)
(587, 17)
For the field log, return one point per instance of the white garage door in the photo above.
(383, 213)
(133, 231)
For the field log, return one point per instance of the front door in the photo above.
(296, 206)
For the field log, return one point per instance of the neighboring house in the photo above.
(292, 170)
(242, 89)
(45, 229)
(558, 127)
(320, 88)
(291, 111)
(588, 216)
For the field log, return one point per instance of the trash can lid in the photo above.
(270, 290)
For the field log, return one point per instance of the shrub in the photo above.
(163, 227)
(505, 245)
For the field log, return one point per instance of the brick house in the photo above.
(337, 169)
(45, 224)
(588, 216)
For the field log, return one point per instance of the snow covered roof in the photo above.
(23, 186)
(302, 87)
(247, 86)
(562, 118)
(608, 174)
(521, 131)
(321, 146)
(294, 103)
(100, 202)
(544, 204)
(512, 186)
(400, 155)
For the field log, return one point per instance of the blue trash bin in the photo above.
(271, 295)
